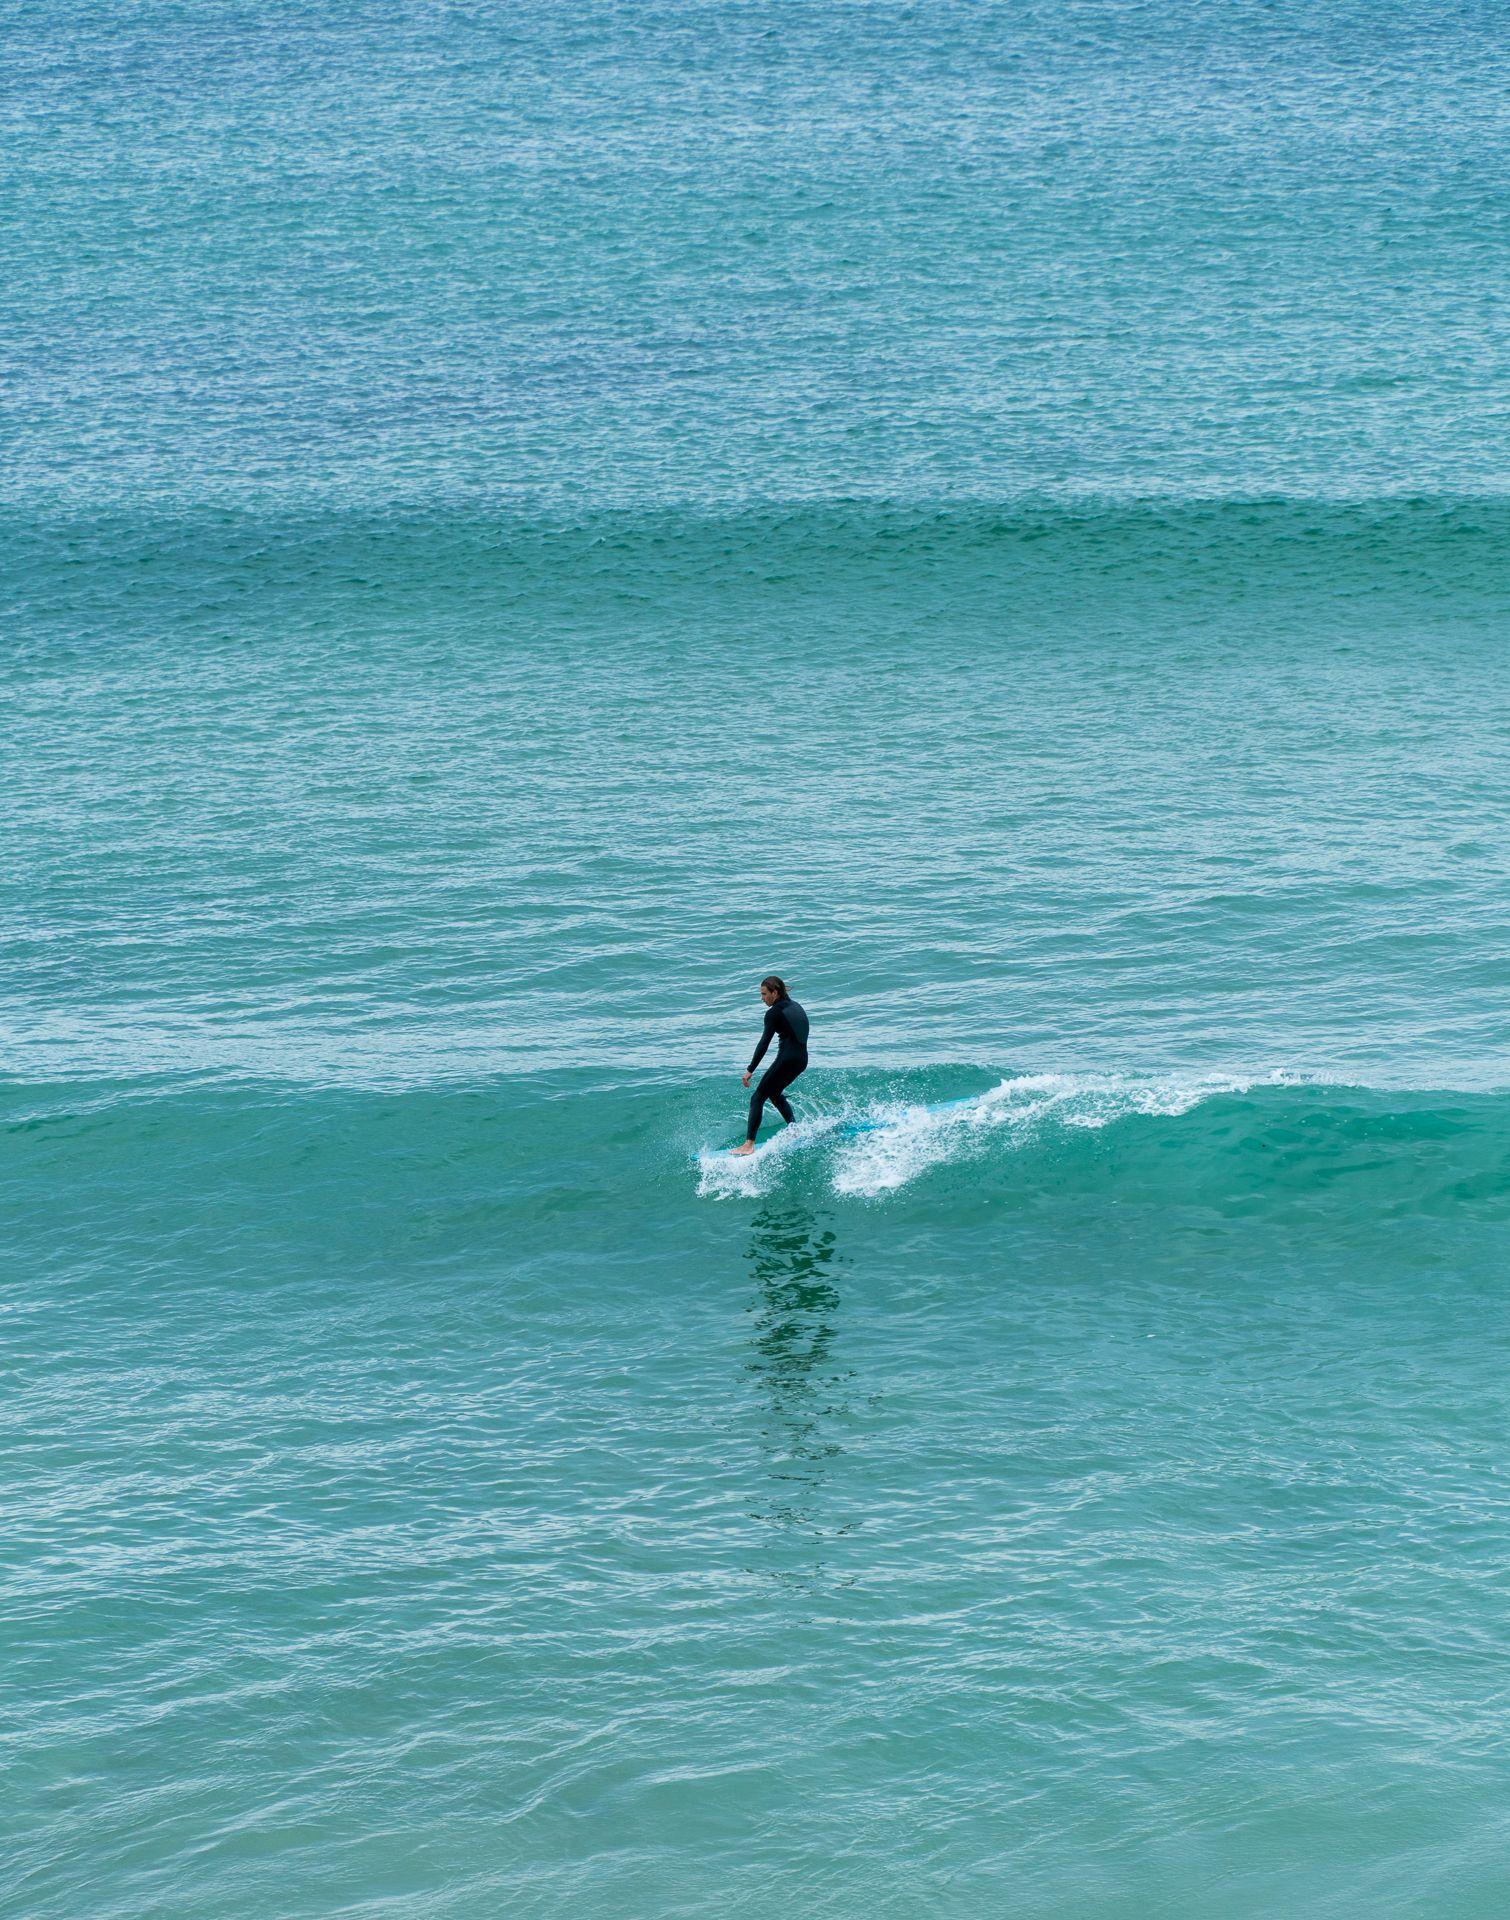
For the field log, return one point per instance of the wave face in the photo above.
(1278, 1148)
(1028, 570)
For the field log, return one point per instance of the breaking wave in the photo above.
(176, 1167)
(880, 1146)
(1223, 1143)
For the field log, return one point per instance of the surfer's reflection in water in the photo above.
(796, 1311)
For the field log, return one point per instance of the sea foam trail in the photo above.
(901, 1140)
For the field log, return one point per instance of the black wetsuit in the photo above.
(786, 1023)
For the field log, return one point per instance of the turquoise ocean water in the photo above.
(517, 520)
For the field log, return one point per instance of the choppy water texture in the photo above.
(517, 522)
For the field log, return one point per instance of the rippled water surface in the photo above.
(517, 523)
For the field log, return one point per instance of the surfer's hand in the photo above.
(744, 1079)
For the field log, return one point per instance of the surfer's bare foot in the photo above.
(748, 1147)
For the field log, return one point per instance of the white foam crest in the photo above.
(898, 1140)
(907, 1139)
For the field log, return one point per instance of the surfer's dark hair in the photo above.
(775, 982)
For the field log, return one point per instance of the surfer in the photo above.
(786, 1023)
